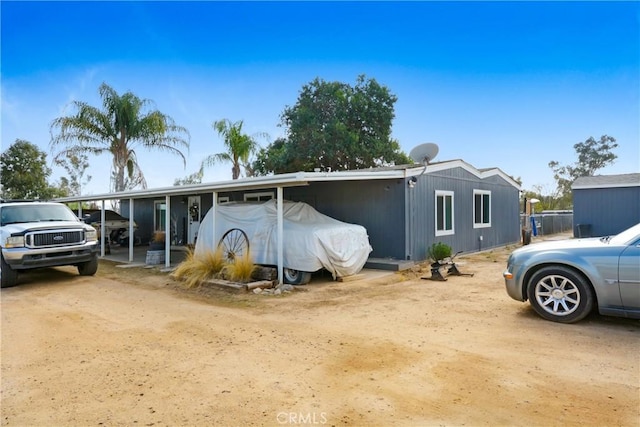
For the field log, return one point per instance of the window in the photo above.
(444, 213)
(481, 208)
(258, 197)
(160, 209)
(223, 199)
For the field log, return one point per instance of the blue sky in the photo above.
(512, 85)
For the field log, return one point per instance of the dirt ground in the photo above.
(131, 347)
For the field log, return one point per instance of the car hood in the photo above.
(593, 242)
(39, 226)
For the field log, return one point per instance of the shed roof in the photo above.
(298, 179)
(607, 181)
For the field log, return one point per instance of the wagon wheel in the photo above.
(234, 244)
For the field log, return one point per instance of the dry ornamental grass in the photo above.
(196, 269)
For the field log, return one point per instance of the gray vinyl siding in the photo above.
(179, 218)
(376, 205)
(142, 215)
(400, 220)
(606, 211)
(505, 228)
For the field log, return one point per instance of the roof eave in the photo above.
(292, 180)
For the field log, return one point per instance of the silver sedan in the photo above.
(564, 280)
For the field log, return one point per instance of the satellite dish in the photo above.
(424, 153)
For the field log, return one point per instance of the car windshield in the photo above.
(35, 213)
(627, 236)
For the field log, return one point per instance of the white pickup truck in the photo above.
(44, 234)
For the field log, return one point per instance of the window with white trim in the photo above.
(481, 208)
(160, 215)
(258, 197)
(223, 199)
(444, 213)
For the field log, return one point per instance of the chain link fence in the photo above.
(547, 224)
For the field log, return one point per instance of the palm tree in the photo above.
(239, 146)
(118, 129)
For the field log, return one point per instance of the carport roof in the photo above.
(295, 179)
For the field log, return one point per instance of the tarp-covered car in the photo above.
(312, 241)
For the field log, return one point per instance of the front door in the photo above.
(194, 218)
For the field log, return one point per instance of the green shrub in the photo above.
(439, 251)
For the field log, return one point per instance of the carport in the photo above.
(277, 182)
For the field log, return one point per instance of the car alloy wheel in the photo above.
(560, 294)
(557, 295)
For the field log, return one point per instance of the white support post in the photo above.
(131, 230)
(102, 230)
(167, 232)
(280, 245)
(214, 209)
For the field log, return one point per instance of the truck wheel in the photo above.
(8, 276)
(89, 268)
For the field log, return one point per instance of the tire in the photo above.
(296, 277)
(8, 276)
(89, 268)
(560, 294)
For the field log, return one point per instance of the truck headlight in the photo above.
(91, 235)
(14, 242)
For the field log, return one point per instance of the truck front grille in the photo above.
(47, 239)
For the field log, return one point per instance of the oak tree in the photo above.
(335, 126)
(24, 173)
(592, 156)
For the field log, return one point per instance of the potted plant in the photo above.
(439, 251)
(157, 241)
